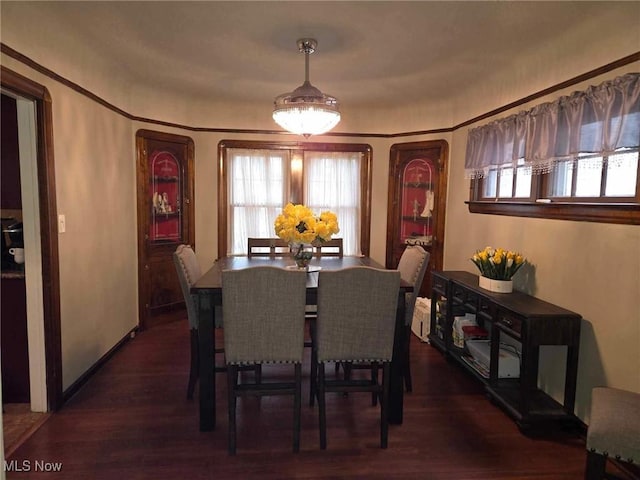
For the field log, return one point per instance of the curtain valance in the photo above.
(599, 120)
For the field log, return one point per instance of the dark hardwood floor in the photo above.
(132, 421)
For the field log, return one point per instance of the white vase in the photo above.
(498, 286)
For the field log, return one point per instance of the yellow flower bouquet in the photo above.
(298, 226)
(498, 263)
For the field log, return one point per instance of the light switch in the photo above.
(62, 224)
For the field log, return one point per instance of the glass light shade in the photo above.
(306, 119)
(306, 111)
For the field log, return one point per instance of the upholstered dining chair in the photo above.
(330, 248)
(266, 247)
(189, 272)
(613, 432)
(412, 265)
(356, 323)
(266, 328)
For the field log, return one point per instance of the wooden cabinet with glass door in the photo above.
(416, 206)
(165, 220)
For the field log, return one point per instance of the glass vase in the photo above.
(302, 254)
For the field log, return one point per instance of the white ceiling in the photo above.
(383, 52)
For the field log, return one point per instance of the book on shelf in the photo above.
(474, 332)
(477, 366)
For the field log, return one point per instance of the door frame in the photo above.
(46, 200)
(440, 205)
(143, 209)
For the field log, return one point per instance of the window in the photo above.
(332, 182)
(588, 177)
(601, 178)
(256, 179)
(256, 194)
(507, 182)
(575, 158)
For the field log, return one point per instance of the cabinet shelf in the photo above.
(166, 216)
(164, 179)
(421, 185)
(541, 406)
(417, 219)
(509, 314)
(468, 364)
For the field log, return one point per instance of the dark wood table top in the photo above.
(212, 279)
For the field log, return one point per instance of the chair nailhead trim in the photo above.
(617, 456)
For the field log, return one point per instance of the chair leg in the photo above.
(407, 361)
(194, 368)
(313, 375)
(232, 381)
(374, 380)
(384, 403)
(297, 403)
(322, 408)
(595, 467)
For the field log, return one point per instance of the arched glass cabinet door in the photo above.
(166, 200)
(417, 192)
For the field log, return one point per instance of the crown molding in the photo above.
(83, 91)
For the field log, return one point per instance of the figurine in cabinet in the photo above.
(165, 203)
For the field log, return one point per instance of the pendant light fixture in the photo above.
(306, 111)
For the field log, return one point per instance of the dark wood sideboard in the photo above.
(523, 320)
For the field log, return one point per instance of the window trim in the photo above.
(295, 195)
(621, 213)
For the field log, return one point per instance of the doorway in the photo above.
(42, 285)
(13, 314)
(417, 203)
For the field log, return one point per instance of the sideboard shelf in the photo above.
(524, 321)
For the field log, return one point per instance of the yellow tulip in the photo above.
(298, 224)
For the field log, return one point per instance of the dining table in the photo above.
(208, 289)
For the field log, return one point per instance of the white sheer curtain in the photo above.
(258, 180)
(600, 120)
(332, 182)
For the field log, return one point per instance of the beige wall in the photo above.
(95, 186)
(591, 268)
